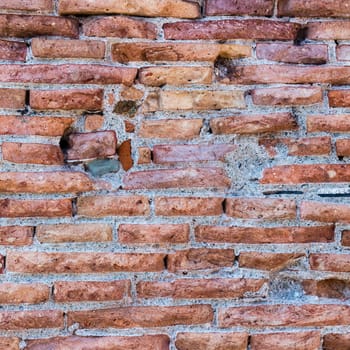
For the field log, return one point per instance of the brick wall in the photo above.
(175, 174)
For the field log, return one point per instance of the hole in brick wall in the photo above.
(301, 36)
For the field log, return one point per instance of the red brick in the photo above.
(99, 144)
(286, 341)
(66, 292)
(13, 50)
(20, 293)
(27, 153)
(261, 208)
(38, 262)
(16, 235)
(98, 206)
(16, 208)
(67, 74)
(284, 315)
(40, 6)
(345, 238)
(211, 341)
(192, 206)
(63, 233)
(253, 124)
(325, 212)
(334, 341)
(177, 178)
(305, 173)
(240, 7)
(24, 320)
(54, 48)
(142, 316)
(44, 182)
(124, 152)
(268, 261)
(328, 288)
(131, 93)
(171, 128)
(328, 123)
(120, 27)
(41, 126)
(26, 26)
(199, 288)
(328, 30)
(191, 153)
(146, 342)
(10, 343)
(312, 8)
(94, 122)
(12, 98)
(200, 259)
(339, 98)
(154, 8)
(287, 96)
(144, 155)
(330, 262)
(343, 52)
(155, 51)
(251, 29)
(263, 235)
(343, 147)
(287, 53)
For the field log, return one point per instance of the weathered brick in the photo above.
(306, 173)
(345, 240)
(339, 98)
(330, 262)
(41, 126)
(66, 292)
(193, 206)
(40, 6)
(240, 7)
(20, 293)
(83, 146)
(286, 341)
(54, 48)
(142, 316)
(67, 74)
(94, 122)
(287, 96)
(146, 342)
(16, 208)
(343, 147)
(89, 262)
(159, 76)
(334, 341)
(16, 235)
(131, 93)
(13, 50)
(192, 100)
(44, 182)
(325, 212)
(177, 178)
(9, 343)
(191, 153)
(312, 8)
(120, 27)
(343, 52)
(285, 315)
(199, 288)
(253, 124)
(27, 153)
(154, 52)
(261, 208)
(211, 341)
(12, 98)
(98, 206)
(263, 235)
(328, 123)
(170, 128)
(251, 29)
(26, 26)
(328, 288)
(124, 152)
(144, 155)
(23, 320)
(268, 261)
(62, 233)
(328, 30)
(156, 233)
(287, 53)
(200, 259)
